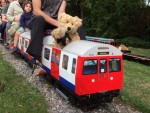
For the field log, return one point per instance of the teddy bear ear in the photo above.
(60, 16)
(78, 18)
(78, 21)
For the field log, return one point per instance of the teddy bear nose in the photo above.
(69, 28)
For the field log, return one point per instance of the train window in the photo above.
(73, 66)
(103, 65)
(57, 59)
(26, 43)
(114, 65)
(46, 53)
(53, 57)
(65, 62)
(90, 67)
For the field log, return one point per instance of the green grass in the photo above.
(140, 51)
(16, 94)
(136, 89)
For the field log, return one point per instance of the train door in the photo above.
(55, 60)
(103, 74)
(115, 73)
(94, 76)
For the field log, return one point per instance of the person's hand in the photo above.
(57, 23)
(26, 29)
(17, 19)
(5, 19)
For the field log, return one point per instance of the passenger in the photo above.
(2, 24)
(46, 13)
(13, 15)
(8, 24)
(0, 20)
(25, 17)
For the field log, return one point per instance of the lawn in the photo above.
(136, 89)
(140, 51)
(16, 94)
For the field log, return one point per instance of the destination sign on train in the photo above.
(103, 53)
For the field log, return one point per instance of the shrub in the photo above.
(134, 42)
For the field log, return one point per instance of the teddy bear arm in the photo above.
(75, 37)
(58, 33)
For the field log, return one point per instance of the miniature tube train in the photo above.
(87, 70)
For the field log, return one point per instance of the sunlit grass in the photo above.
(137, 86)
(140, 51)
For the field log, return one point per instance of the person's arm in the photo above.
(4, 18)
(62, 7)
(10, 13)
(37, 11)
(22, 21)
(10, 16)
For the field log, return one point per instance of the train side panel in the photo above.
(46, 58)
(68, 70)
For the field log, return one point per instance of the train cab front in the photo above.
(99, 76)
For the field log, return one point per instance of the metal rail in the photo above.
(138, 58)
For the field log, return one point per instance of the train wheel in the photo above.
(72, 99)
(109, 99)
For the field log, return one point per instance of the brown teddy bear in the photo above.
(67, 30)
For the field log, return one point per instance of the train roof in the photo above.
(87, 48)
(99, 39)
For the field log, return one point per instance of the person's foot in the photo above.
(6, 45)
(11, 45)
(39, 72)
(14, 49)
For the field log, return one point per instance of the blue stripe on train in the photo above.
(19, 50)
(26, 55)
(68, 84)
(62, 80)
(46, 69)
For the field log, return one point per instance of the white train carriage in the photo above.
(24, 40)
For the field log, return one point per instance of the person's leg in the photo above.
(1, 38)
(13, 28)
(37, 33)
(7, 34)
(3, 26)
(81, 32)
(17, 34)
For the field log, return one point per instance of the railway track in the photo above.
(138, 58)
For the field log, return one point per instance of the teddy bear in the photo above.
(67, 30)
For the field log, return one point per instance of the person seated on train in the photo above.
(2, 24)
(45, 17)
(7, 24)
(13, 15)
(25, 17)
(46, 13)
